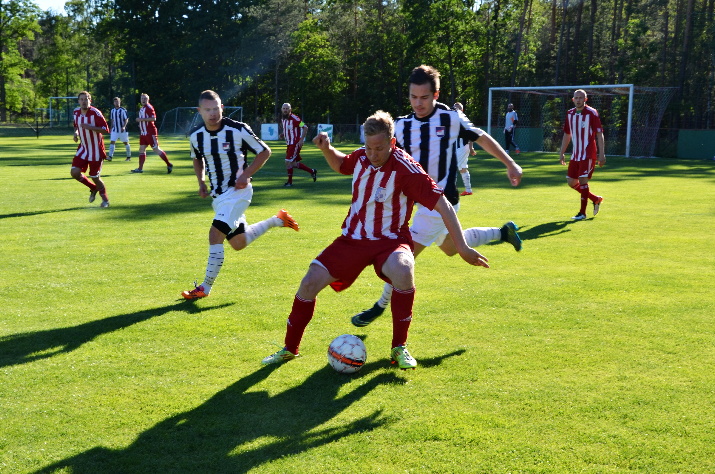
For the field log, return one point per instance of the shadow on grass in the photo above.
(27, 347)
(237, 430)
(35, 213)
(547, 229)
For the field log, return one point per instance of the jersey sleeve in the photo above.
(350, 161)
(251, 142)
(100, 121)
(597, 126)
(467, 130)
(399, 131)
(194, 153)
(567, 125)
(422, 189)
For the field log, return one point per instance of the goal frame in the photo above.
(618, 89)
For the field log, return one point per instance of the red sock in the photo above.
(83, 179)
(300, 316)
(584, 197)
(402, 301)
(103, 194)
(290, 175)
(142, 159)
(305, 168)
(163, 156)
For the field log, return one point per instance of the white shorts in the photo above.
(230, 207)
(119, 137)
(428, 227)
(462, 157)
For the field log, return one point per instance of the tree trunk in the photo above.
(561, 41)
(517, 47)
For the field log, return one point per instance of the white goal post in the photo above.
(181, 120)
(631, 115)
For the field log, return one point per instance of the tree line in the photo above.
(338, 61)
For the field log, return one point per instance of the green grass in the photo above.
(591, 350)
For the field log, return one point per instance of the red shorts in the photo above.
(581, 169)
(293, 152)
(346, 258)
(95, 167)
(149, 140)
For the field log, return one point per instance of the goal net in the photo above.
(60, 110)
(182, 120)
(631, 115)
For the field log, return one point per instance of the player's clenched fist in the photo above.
(322, 140)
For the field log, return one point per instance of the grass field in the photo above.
(592, 350)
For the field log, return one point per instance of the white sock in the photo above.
(129, 150)
(213, 266)
(111, 149)
(254, 231)
(467, 180)
(477, 236)
(386, 296)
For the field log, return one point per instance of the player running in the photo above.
(148, 135)
(219, 146)
(89, 127)
(294, 132)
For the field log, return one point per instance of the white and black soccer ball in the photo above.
(347, 354)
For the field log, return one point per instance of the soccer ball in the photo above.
(347, 354)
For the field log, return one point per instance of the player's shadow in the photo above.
(548, 229)
(35, 213)
(27, 347)
(238, 430)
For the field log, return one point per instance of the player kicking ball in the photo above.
(386, 183)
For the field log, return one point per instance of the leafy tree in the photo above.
(18, 21)
(313, 60)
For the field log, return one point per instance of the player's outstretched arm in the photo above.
(332, 156)
(493, 147)
(454, 228)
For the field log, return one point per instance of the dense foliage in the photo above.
(340, 60)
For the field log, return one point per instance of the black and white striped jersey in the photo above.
(118, 116)
(433, 142)
(224, 151)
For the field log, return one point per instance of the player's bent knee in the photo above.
(314, 281)
(400, 269)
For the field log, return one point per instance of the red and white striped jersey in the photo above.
(583, 126)
(292, 129)
(383, 197)
(91, 143)
(147, 128)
